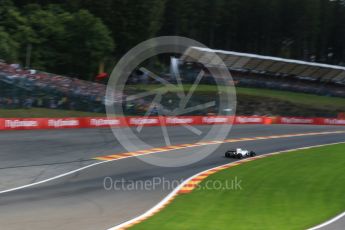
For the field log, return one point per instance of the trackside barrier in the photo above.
(98, 122)
(309, 121)
(295, 120)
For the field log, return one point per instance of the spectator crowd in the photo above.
(27, 88)
(23, 88)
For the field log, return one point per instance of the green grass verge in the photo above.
(309, 100)
(41, 112)
(296, 98)
(295, 190)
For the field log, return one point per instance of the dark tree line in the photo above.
(312, 30)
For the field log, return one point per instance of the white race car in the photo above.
(239, 153)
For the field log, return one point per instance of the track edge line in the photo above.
(171, 196)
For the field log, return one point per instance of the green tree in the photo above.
(130, 22)
(8, 47)
(46, 29)
(289, 28)
(66, 43)
(15, 30)
(87, 42)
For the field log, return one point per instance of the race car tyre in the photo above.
(252, 154)
(239, 156)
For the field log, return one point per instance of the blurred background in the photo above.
(56, 56)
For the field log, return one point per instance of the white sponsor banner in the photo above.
(143, 121)
(58, 123)
(178, 120)
(295, 120)
(334, 122)
(21, 124)
(215, 120)
(244, 120)
(104, 122)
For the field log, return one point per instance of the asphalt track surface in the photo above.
(79, 201)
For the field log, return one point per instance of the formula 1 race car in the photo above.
(239, 153)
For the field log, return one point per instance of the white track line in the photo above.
(104, 162)
(328, 222)
(52, 178)
(165, 200)
(70, 173)
(160, 204)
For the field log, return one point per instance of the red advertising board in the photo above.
(21, 123)
(249, 120)
(98, 122)
(330, 121)
(296, 120)
(61, 123)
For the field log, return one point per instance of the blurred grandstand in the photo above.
(259, 71)
(31, 88)
(21, 88)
